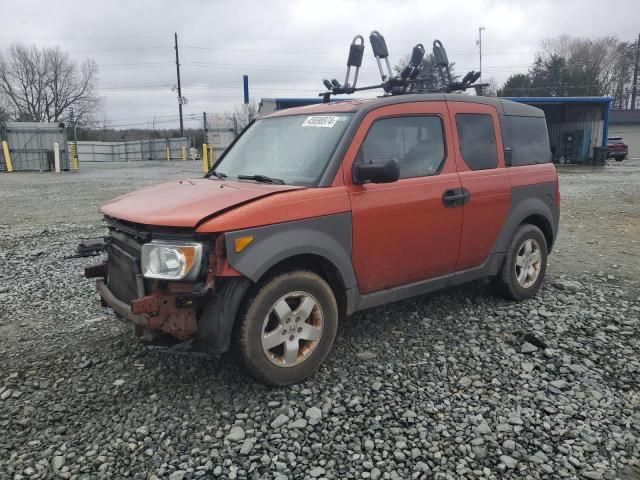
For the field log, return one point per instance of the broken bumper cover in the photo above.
(118, 306)
(162, 311)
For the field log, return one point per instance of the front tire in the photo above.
(288, 327)
(525, 265)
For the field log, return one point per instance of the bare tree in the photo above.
(4, 110)
(492, 89)
(570, 66)
(244, 114)
(44, 84)
(430, 73)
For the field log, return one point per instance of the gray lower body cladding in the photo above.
(328, 236)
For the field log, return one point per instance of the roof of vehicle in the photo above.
(503, 106)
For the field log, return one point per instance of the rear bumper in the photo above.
(617, 153)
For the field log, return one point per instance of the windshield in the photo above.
(294, 149)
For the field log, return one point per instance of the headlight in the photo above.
(171, 261)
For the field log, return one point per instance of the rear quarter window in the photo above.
(528, 139)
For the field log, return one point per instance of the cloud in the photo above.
(286, 47)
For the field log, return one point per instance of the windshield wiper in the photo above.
(262, 179)
(217, 174)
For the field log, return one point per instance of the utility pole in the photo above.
(479, 43)
(634, 88)
(180, 100)
(204, 126)
(73, 121)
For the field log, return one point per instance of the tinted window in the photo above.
(477, 140)
(417, 143)
(528, 139)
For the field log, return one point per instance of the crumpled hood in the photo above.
(184, 203)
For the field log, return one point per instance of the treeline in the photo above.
(568, 66)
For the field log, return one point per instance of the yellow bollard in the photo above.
(73, 151)
(7, 156)
(205, 158)
(168, 154)
(184, 152)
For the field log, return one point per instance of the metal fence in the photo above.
(134, 151)
(219, 138)
(31, 145)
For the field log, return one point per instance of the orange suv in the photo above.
(317, 212)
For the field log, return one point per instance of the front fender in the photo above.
(328, 236)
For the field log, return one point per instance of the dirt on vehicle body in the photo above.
(317, 212)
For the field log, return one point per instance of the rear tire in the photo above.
(620, 158)
(288, 327)
(524, 266)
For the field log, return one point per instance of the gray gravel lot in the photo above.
(457, 384)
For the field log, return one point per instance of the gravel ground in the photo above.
(457, 384)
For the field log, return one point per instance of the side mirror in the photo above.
(387, 172)
(508, 157)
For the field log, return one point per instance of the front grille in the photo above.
(124, 253)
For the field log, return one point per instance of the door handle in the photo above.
(455, 197)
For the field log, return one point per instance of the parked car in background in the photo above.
(616, 148)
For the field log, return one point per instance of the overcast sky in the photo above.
(285, 47)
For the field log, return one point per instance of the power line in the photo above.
(332, 54)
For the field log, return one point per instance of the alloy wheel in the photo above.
(292, 329)
(528, 263)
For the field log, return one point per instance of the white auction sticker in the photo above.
(324, 121)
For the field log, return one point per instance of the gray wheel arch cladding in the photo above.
(328, 236)
(527, 201)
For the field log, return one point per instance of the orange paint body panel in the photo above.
(184, 203)
(402, 232)
(332, 107)
(532, 174)
(490, 200)
(296, 205)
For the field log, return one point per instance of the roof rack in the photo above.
(408, 80)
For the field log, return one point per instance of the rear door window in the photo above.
(528, 140)
(477, 140)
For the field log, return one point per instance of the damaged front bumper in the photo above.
(204, 310)
(162, 311)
